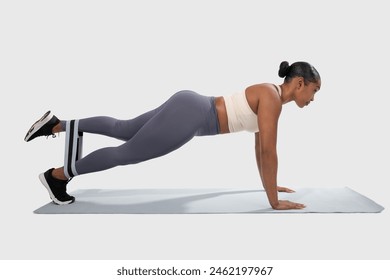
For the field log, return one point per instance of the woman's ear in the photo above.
(300, 83)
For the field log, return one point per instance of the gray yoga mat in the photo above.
(209, 201)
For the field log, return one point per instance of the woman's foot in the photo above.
(56, 188)
(42, 127)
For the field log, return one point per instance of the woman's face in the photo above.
(305, 93)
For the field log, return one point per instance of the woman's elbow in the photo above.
(266, 152)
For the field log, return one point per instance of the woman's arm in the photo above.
(257, 153)
(266, 153)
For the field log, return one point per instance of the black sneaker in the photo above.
(42, 127)
(56, 188)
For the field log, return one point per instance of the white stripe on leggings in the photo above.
(75, 146)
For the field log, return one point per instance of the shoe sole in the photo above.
(38, 124)
(53, 198)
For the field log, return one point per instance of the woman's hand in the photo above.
(284, 189)
(288, 205)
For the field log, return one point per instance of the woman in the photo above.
(185, 115)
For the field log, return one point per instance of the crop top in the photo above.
(239, 113)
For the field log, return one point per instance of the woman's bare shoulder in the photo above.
(257, 92)
(265, 93)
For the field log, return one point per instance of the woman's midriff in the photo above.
(222, 115)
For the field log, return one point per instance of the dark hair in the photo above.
(298, 69)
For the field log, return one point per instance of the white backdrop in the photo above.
(121, 58)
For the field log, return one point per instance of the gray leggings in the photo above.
(153, 134)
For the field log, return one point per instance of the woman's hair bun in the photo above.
(283, 69)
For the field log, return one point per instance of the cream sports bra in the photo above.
(239, 113)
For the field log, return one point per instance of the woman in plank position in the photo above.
(184, 115)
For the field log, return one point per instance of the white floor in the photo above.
(25, 235)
